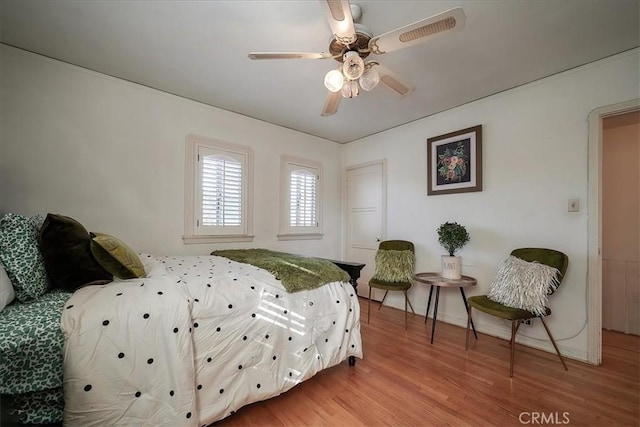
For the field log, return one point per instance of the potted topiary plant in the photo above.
(452, 236)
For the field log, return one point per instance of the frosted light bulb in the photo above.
(350, 89)
(369, 79)
(334, 80)
(353, 66)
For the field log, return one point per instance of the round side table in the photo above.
(435, 280)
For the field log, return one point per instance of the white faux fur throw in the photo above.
(523, 284)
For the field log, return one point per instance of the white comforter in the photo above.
(197, 339)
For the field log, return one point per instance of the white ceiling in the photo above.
(198, 50)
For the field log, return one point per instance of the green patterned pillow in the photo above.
(20, 255)
(394, 266)
(116, 257)
(7, 294)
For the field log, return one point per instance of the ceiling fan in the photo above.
(352, 43)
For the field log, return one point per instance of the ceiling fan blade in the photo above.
(418, 32)
(331, 103)
(289, 55)
(340, 19)
(392, 80)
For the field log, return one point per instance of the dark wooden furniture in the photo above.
(353, 269)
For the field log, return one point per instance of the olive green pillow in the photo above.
(394, 266)
(116, 257)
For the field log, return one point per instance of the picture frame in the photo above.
(462, 147)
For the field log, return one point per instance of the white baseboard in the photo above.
(494, 329)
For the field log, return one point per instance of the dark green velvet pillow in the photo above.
(65, 247)
(116, 257)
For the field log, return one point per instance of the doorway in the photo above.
(366, 194)
(621, 223)
(594, 294)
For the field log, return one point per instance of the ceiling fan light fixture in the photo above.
(350, 89)
(353, 66)
(334, 80)
(369, 79)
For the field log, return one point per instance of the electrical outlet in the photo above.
(527, 322)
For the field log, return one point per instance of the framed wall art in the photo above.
(454, 162)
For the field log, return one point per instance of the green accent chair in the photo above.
(398, 245)
(518, 316)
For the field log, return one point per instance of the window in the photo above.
(218, 191)
(300, 199)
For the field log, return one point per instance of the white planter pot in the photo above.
(451, 267)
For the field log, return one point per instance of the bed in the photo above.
(31, 359)
(192, 341)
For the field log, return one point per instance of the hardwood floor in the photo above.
(403, 380)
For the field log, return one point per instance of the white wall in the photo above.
(111, 154)
(535, 144)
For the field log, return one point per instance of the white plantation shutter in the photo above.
(303, 199)
(221, 194)
(300, 198)
(221, 191)
(218, 191)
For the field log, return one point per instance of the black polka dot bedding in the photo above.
(196, 340)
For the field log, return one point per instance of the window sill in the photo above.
(301, 236)
(188, 240)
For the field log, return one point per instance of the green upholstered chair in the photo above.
(404, 285)
(518, 316)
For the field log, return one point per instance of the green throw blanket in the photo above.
(295, 272)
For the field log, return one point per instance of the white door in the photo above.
(366, 213)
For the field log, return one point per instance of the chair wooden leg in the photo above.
(514, 329)
(518, 323)
(554, 344)
(410, 306)
(466, 346)
(369, 307)
(405, 310)
(383, 298)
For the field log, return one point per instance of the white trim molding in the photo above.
(594, 275)
(197, 233)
